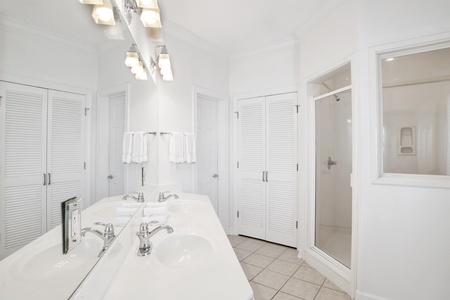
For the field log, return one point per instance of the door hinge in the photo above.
(238, 165)
(84, 165)
(237, 114)
(238, 214)
(297, 167)
(296, 224)
(297, 106)
(86, 110)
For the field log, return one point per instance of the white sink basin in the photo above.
(185, 250)
(47, 262)
(185, 206)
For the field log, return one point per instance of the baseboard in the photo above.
(366, 296)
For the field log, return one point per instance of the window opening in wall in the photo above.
(415, 99)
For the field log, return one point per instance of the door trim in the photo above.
(223, 202)
(105, 95)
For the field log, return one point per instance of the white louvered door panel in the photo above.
(281, 163)
(251, 152)
(65, 160)
(22, 165)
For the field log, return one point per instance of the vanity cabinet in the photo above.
(41, 160)
(267, 168)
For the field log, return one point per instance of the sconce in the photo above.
(136, 64)
(103, 12)
(148, 9)
(163, 59)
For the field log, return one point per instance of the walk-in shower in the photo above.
(333, 167)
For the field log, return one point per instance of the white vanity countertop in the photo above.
(207, 268)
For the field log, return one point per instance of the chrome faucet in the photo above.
(140, 197)
(107, 236)
(162, 198)
(145, 246)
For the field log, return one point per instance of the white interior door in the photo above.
(207, 149)
(116, 131)
(23, 131)
(281, 167)
(250, 184)
(65, 151)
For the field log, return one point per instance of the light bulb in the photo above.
(138, 68)
(132, 59)
(105, 14)
(142, 75)
(149, 17)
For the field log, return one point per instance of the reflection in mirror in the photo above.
(55, 45)
(416, 111)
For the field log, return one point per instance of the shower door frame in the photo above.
(342, 276)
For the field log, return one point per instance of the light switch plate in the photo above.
(71, 223)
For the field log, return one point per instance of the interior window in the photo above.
(415, 112)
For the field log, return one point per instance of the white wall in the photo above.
(403, 241)
(191, 66)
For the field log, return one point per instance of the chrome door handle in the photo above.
(267, 176)
(110, 176)
(263, 176)
(215, 175)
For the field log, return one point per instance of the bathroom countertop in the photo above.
(213, 274)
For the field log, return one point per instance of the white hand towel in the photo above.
(155, 220)
(126, 147)
(176, 154)
(190, 155)
(151, 211)
(156, 204)
(125, 211)
(138, 147)
(121, 220)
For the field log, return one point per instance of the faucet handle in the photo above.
(143, 228)
(109, 228)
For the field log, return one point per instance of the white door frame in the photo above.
(105, 95)
(223, 203)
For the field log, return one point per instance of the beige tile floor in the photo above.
(275, 272)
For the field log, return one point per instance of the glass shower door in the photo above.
(333, 201)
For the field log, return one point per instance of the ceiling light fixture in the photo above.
(164, 63)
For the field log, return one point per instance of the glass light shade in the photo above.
(165, 71)
(168, 76)
(164, 61)
(147, 4)
(151, 18)
(97, 2)
(103, 14)
(139, 68)
(132, 59)
(142, 75)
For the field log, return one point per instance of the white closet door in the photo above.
(251, 151)
(22, 165)
(281, 164)
(65, 155)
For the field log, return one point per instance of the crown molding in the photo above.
(318, 17)
(278, 45)
(174, 30)
(15, 25)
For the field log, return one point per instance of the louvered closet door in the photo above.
(22, 165)
(250, 187)
(65, 160)
(281, 164)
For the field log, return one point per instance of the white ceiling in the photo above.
(231, 26)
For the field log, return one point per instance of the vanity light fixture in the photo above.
(147, 9)
(136, 64)
(164, 64)
(104, 14)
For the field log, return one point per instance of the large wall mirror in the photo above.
(415, 92)
(55, 45)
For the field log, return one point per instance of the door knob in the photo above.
(215, 175)
(110, 176)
